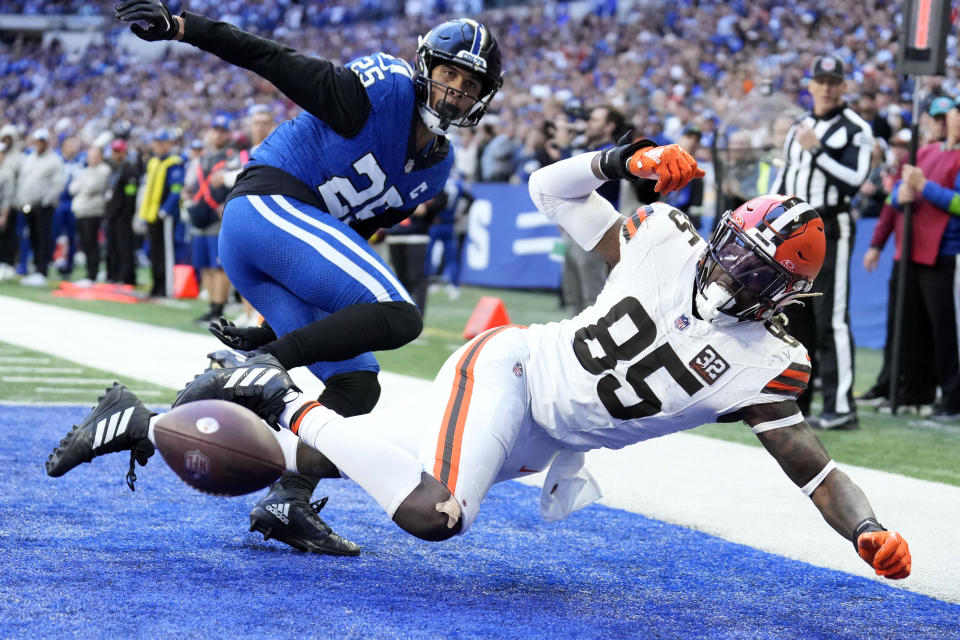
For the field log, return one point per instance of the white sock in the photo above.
(288, 444)
(384, 470)
(153, 422)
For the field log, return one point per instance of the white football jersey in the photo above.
(639, 364)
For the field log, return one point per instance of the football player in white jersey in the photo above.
(684, 333)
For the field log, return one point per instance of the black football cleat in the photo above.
(258, 382)
(119, 422)
(284, 515)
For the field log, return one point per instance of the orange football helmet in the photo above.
(760, 257)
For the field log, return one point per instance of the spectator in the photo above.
(828, 153)
(497, 158)
(203, 197)
(746, 175)
(449, 231)
(10, 212)
(120, 207)
(917, 381)
(407, 243)
(42, 178)
(933, 186)
(6, 196)
(261, 124)
(690, 198)
(939, 107)
(871, 196)
(584, 272)
(64, 228)
(866, 108)
(89, 190)
(160, 203)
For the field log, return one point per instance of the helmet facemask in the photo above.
(443, 113)
(738, 280)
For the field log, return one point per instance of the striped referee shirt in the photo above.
(830, 176)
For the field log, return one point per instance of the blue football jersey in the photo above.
(360, 177)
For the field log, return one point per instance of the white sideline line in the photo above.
(91, 395)
(726, 489)
(48, 379)
(42, 369)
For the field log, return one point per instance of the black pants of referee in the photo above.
(822, 324)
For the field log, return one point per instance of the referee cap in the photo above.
(824, 66)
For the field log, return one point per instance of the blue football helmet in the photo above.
(465, 44)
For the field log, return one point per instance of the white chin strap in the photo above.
(710, 302)
(432, 121)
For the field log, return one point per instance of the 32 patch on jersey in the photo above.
(709, 365)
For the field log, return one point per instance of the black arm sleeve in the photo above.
(330, 92)
(366, 228)
(436, 204)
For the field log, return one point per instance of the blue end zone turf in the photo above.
(82, 556)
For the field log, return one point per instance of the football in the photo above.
(219, 447)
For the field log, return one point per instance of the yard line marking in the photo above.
(42, 369)
(97, 381)
(26, 359)
(147, 392)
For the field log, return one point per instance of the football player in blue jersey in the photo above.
(368, 148)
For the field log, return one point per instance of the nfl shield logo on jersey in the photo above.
(682, 322)
(518, 369)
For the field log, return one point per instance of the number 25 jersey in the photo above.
(363, 176)
(639, 364)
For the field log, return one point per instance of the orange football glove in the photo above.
(887, 552)
(671, 164)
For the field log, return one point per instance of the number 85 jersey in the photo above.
(640, 364)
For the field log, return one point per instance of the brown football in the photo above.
(219, 447)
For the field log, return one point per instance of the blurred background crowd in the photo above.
(714, 76)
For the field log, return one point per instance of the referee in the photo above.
(827, 153)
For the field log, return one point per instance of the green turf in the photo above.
(173, 314)
(33, 377)
(918, 448)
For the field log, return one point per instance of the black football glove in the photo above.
(154, 13)
(613, 162)
(241, 338)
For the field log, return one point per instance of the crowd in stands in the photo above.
(663, 66)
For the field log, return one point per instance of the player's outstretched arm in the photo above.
(330, 92)
(842, 503)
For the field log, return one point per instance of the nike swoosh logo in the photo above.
(524, 469)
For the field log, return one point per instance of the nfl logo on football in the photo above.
(196, 465)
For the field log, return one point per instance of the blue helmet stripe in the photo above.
(477, 40)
